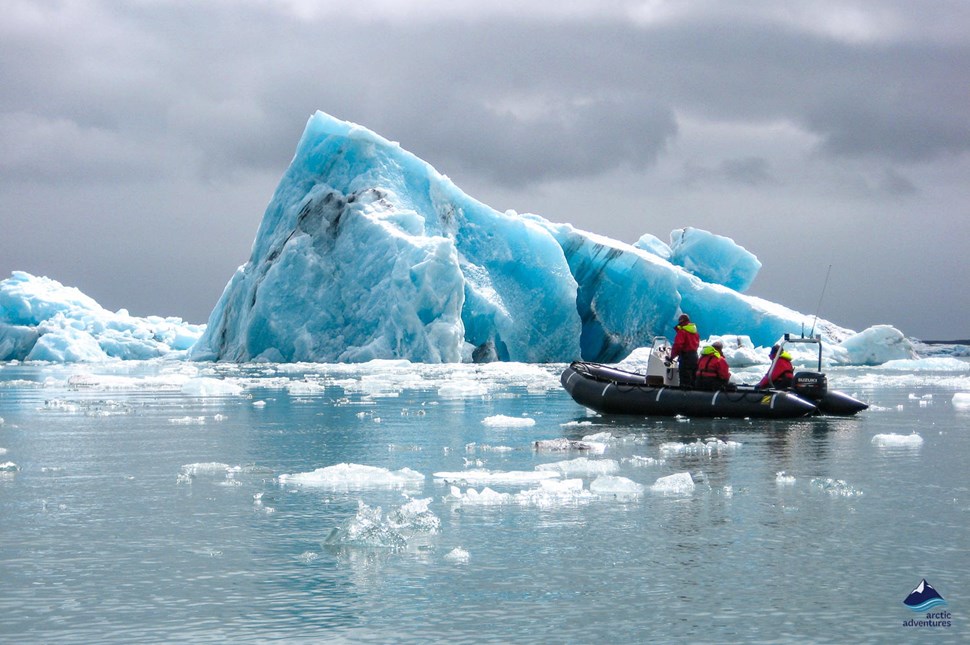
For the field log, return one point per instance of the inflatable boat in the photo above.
(611, 390)
(614, 391)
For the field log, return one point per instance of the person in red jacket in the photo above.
(712, 369)
(686, 342)
(779, 377)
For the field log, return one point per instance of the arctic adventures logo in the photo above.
(924, 598)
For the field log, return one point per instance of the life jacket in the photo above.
(707, 366)
(686, 340)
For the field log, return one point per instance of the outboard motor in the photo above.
(810, 385)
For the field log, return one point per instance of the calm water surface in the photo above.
(117, 523)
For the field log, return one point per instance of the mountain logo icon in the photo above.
(924, 597)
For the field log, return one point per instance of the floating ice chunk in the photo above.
(305, 388)
(784, 479)
(354, 476)
(642, 462)
(210, 387)
(835, 487)
(582, 466)
(876, 345)
(367, 529)
(458, 554)
(415, 516)
(259, 404)
(897, 440)
(206, 468)
(186, 421)
(3, 451)
(502, 421)
(677, 484)
(487, 477)
(8, 467)
(618, 486)
(708, 447)
(931, 364)
(462, 389)
(554, 493)
(961, 401)
(472, 497)
(565, 445)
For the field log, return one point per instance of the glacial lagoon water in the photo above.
(145, 502)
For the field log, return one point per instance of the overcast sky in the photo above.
(140, 141)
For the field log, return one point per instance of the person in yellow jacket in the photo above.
(712, 370)
(779, 377)
(686, 341)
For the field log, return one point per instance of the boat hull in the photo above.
(613, 391)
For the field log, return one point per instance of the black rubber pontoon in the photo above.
(614, 391)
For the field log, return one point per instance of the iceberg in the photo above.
(366, 251)
(42, 320)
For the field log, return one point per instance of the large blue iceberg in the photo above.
(366, 251)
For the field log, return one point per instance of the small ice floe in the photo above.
(707, 448)
(206, 468)
(483, 477)
(502, 421)
(639, 461)
(259, 404)
(618, 487)
(583, 466)
(8, 467)
(488, 448)
(369, 528)
(462, 389)
(354, 477)
(304, 388)
(835, 487)
(307, 557)
(210, 387)
(961, 401)
(3, 451)
(897, 440)
(188, 421)
(677, 484)
(565, 445)
(557, 492)
(784, 479)
(458, 555)
(472, 497)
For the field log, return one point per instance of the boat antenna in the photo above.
(811, 334)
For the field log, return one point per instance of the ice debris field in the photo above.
(367, 252)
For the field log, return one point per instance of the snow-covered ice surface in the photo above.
(155, 501)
